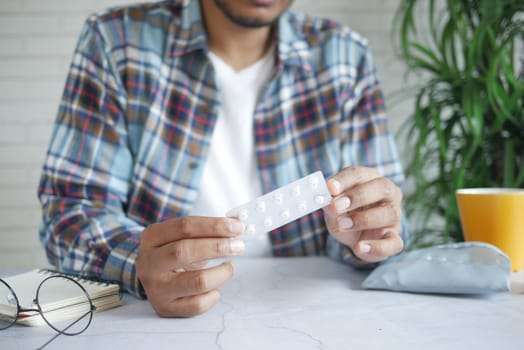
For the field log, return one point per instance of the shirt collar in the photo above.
(293, 47)
(189, 35)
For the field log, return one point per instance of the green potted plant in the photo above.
(467, 126)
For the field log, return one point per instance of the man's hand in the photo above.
(365, 214)
(172, 254)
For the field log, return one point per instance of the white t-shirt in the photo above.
(230, 176)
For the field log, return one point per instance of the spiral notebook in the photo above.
(103, 295)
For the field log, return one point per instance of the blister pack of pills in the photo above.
(283, 205)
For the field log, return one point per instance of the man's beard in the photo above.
(242, 21)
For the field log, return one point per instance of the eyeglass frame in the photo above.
(92, 307)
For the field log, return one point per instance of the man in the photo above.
(176, 111)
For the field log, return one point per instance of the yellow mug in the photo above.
(495, 216)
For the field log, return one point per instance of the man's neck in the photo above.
(238, 46)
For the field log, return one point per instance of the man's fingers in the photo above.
(202, 281)
(350, 177)
(184, 253)
(190, 306)
(172, 230)
(173, 285)
(371, 218)
(378, 250)
(365, 213)
(365, 194)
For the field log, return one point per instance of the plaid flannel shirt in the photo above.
(136, 118)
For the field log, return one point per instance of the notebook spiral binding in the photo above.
(93, 280)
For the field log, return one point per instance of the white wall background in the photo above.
(37, 38)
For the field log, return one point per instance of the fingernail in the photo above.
(336, 185)
(342, 204)
(236, 226)
(345, 223)
(237, 246)
(364, 248)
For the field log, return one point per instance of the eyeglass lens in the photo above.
(68, 312)
(8, 306)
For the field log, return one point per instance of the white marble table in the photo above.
(302, 303)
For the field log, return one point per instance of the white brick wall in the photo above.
(37, 38)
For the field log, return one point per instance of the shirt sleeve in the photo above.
(367, 141)
(88, 170)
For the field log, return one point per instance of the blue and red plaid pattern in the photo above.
(138, 111)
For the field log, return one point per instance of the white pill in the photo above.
(278, 198)
(261, 207)
(302, 206)
(313, 182)
(319, 199)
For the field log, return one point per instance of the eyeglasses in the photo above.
(68, 319)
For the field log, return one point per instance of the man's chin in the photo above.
(246, 22)
(247, 19)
